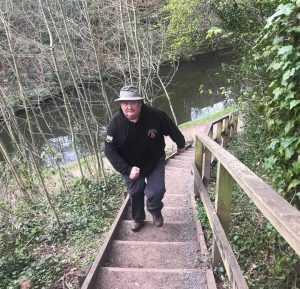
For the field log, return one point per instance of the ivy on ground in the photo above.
(34, 248)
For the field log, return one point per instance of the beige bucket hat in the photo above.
(129, 93)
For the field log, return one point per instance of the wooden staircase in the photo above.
(169, 257)
(175, 256)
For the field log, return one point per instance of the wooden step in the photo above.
(180, 186)
(160, 255)
(171, 214)
(183, 161)
(183, 171)
(177, 200)
(188, 152)
(187, 158)
(174, 210)
(131, 278)
(179, 163)
(169, 232)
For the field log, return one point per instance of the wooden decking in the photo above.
(170, 257)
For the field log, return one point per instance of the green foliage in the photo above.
(204, 223)
(265, 257)
(197, 24)
(234, 16)
(243, 16)
(183, 19)
(280, 43)
(213, 31)
(32, 245)
(266, 85)
(267, 82)
(267, 260)
(239, 21)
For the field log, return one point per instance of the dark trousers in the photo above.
(152, 186)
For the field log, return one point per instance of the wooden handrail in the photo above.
(231, 265)
(283, 216)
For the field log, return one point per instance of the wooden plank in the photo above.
(211, 282)
(206, 168)
(221, 118)
(226, 132)
(156, 243)
(224, 188)
(198, 155)
(152, 270)
(282, 215)
(231, 265)
(233, 124)
(207, 162)
(219, 131)
(211, 135)
(90, 278)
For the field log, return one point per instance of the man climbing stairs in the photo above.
(168, 257)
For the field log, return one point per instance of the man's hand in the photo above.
(134, 173)
(179, 151)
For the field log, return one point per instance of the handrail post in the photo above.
(199, 155)
(224, 187)
(226, 132)
(234, 123)
(207, 162)
(219, 131)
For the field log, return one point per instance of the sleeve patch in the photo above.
(109, 138)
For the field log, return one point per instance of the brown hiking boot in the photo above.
(136, 226)
(158, 221)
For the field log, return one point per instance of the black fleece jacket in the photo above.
(142, 143)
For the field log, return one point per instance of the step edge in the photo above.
(156, 242)
(142, 270)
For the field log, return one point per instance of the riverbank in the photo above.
(191, 128)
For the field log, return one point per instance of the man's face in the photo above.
(131, 109)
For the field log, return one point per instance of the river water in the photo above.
(195, 88)
(194, 92)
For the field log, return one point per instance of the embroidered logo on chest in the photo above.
(152, 133)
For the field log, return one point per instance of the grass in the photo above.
(208, 117)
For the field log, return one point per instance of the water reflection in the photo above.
(197, 112)
(195, 89)
(63, 146)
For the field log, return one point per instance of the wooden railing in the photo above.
(283, 216)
